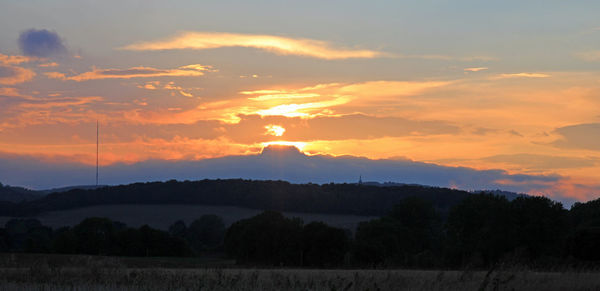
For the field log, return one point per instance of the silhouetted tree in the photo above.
(323, 245)
(4, 241)
(178, 229)
(267, 238)
(584, 243)
(585, 214)
(206, 233)
(28, 235)
(479, 230)
(96, 236)
(65, 241)
(409, 235)
(584, 239)
(540, 226)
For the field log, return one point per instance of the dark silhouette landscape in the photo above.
(299, 145)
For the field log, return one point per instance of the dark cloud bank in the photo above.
(284, 163)
(41, 43)
(582, 136)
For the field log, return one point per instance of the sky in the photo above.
(510, 86)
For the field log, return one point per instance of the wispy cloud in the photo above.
(477, 69)
(276, 44)
(62, 102)
(47, 65)
(135, 72)
(450, 58)
(521, 75)
(590, 56)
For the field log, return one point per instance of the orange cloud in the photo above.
(135, 72)
(136, 150)
(302, 109)
(186, 94)
(149, 85)
(11, 75)
(15, 60)
(276, 44)
(522, 75)
(47, 65)
(305, 102)
(284, 96)
(62, 102)
(477, 69)
(12, 92)
(391, 88)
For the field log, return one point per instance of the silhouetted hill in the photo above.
(509, 195)
(17, 194)
(69, 188)
(271, 195)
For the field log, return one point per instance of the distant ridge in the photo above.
(264, 195)
(509, 195)
(18, 194)
(69, 188)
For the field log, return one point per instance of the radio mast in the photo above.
(97, 151)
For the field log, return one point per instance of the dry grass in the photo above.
(100, 273)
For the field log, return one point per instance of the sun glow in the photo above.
(274, 130)
(299, 145)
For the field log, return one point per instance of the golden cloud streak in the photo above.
(276, 44)
(289, 102)
(63, 102)
(303, 109)
(135, 72)
(284, 96)
(477, 69)
(521, 75)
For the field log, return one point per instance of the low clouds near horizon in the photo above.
(284, 163)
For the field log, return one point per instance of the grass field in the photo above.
(162, 216)
(62, 272)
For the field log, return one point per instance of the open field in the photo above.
(41, 272)
(162, 216)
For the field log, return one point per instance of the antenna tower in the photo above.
(97, 151)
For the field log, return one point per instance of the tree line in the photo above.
(478, 232)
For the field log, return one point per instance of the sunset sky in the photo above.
(508, 85)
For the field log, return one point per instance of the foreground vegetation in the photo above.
(69, 272)
(480, 232)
